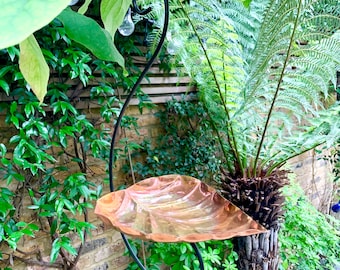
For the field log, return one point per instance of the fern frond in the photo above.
(260, 85)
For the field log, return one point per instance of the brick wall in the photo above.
(314, 175)
(104, 248)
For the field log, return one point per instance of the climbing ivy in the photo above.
(46, 148)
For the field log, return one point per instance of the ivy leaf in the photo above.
(21, 18)
(113, 13)
(90, 34)
(33, 66)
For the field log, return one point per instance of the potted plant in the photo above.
(265, 74)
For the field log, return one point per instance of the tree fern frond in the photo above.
(305, 86)
(322, 130)
(257, 95)
(246, 29)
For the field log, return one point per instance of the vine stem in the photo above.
(33, 262)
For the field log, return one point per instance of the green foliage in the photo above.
(264, 91)
(34, 67)
(26, 18)
(113, 9)
(20, 19)
(187, 147)
(45, 139)
(309, 239)
(100, 43)
(12, 231)
(217, 255)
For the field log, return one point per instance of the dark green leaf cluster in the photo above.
(217, 255)
(186, 147)
(309, 239)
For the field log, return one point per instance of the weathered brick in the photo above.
(103, 266)
(94, 244)
(313, 174)
(148, 120)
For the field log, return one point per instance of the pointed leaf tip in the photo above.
(33, 67)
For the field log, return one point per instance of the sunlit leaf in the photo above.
(66, 244)
(33, 227)
(112, 14)
(89, 33)
(33, 66)
(21, 224)
(4, 85)
(21, 18)
(84, 7)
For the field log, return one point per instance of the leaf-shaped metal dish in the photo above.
(174, 208)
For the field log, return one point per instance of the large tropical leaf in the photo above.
(89, 33)
(21, 18)
(112, 13)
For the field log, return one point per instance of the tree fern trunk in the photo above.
(260, 251)
(261, 199)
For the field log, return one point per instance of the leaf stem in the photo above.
(277, 88)
(230, 134)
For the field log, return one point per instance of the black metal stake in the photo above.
(119, 120)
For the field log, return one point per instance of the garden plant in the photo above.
(47, 186)
(265, 72)
(21, 19)
(266, 75)
(308, 238)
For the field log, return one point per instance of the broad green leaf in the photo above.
(67, 245)
(33, 227)
(33, 66)
(4, 85)
(89, 33)
(84, 7)
(113, 13)
(21, 18)
(27, 232)
(3, 151)
(21, 224)
(70, 206)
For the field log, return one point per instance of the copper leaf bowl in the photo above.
(174, 208)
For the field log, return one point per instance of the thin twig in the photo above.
(35, 262)
(80, 164)
(75, 261)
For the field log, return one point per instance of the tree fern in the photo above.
(264, 91)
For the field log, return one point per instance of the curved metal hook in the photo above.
(134, 88)
(119, 120)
